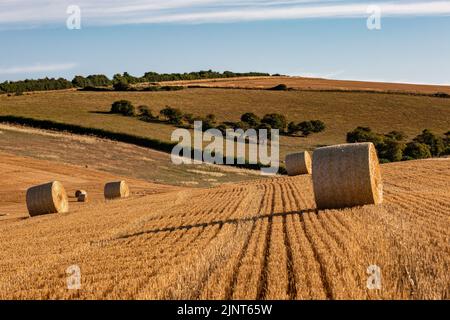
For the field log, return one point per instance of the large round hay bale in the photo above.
(346, 175)
(298, 163)
(47, 198)
(78, 192)
(118, 189)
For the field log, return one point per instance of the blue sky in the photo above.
(296, 37)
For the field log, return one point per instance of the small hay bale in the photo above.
(78, 192)
(118, 189)
(298, 163)
(47, 198)
(82, 197)
(346, 175)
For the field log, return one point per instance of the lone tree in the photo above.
(123, 107)
(251, 119)
(145, 113)
(172, 115)
(275, 121)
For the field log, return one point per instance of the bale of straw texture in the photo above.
(298, 163)
(118, 189)
(78, 192)
(47, 198)
(82, 197)
(346, 175)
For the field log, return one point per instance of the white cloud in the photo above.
(37, 68)
(113, 12)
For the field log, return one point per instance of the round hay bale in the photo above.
(78, 192)
(118, 189)
(346, 175)
(82, 197)
(47, 198)
(298, 163)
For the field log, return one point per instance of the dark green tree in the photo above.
(416, 150)
(275, 121)
(123, 107)
(172, 115)
(435, 143)
(251, 119)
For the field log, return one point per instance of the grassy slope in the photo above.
(341, 111)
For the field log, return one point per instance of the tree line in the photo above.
(119, 80)
(34, 85)
(393, 146)
(249, 120)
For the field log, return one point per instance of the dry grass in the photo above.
(311, 84)
(253, 240)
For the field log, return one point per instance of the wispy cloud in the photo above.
(37, 68)
(113, 12)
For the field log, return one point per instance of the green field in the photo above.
(341, 111)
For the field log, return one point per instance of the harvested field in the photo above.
(302, 83)
(119, 159)
(261, 239)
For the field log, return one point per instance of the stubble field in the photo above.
(250, 240)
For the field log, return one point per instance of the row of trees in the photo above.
(249, 120)
(122, 82)
(34, 85)
(95, 80)
(393, 146)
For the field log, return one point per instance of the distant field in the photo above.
(341, 111)
(312, 84)
(116, 158)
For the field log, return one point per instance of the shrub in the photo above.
(396, 135)
(145, 113)
(391, 150)
(364, 134)
(211, 118)
(306, 127)
(447, 139)
(121, 85)
(172, 115)
(251, 119)
(441, 95)
(446, 151)
(280, 87)
(435, 143)
(123, 107)
(293, 128)
(318, 126)
(416, 150)
(188, 118)
(275, 121)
